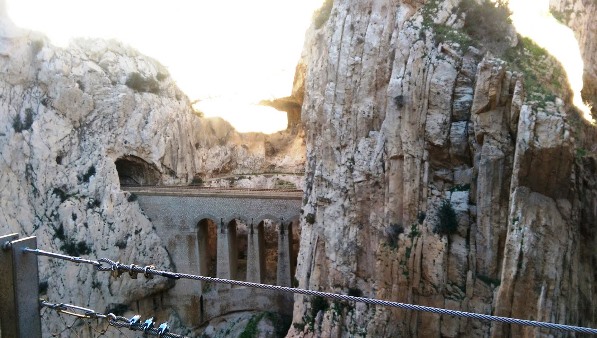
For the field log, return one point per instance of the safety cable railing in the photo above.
(134, 323)
(117, 269)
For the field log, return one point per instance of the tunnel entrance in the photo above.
(133, 170)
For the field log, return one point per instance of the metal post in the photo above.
(19, 288)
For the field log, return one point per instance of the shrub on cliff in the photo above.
(392, 235)
(321, 16)
(447, 223)
(488, 22)
(139, 83)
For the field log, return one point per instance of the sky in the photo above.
(232, 54)
(229, 54)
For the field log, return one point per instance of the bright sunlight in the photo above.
(229, 55)
(533, 20)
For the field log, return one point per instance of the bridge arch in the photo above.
(198, 218)
(133, 170)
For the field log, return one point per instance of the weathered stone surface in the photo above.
(67, 116)
(388, 140)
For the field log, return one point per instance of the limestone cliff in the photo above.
(433, 178)
(71, 122)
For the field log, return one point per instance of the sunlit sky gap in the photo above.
(532, 19)
(229, 54)
(233, 54)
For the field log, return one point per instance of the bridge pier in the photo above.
(227, 252)
(284, 273)
(255, 253)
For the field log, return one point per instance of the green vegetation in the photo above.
(562, 17)
(19, 125)
(310, 218)
(321, 16)
(581, 152)
(299, 326)
(318, 304)
(443, 33)
(250, 330)
(392, 235)
(414, 231)
(59, 232)
(90, 172)
(283, 184)
(281, 323)
(543, 75)
(140, 83)
(61, 194)
(488, 23)
(73, 248)
(447, 223)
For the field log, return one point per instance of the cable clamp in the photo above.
(133, 322)
(147, 273)
(116, 272)
(133, 273)
(148, 325)
(163, 329)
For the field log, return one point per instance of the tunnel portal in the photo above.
(133, 170)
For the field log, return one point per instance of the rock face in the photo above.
(74, 124)
(431, 180)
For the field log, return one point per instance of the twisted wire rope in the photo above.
(149, 271)
(113, 320)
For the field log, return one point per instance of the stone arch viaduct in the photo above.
(192, 222)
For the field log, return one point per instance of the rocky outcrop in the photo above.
(76, 123)
(408, 124)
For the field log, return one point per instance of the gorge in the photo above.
(441, 160)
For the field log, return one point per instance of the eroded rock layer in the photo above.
(432, 180)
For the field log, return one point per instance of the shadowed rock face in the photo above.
(398, 123)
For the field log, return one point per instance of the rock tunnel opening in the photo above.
(133, 170)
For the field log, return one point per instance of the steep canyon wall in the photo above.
(408, 125)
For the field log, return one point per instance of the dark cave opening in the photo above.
(133, 170)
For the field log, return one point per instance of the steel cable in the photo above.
(113, 320)
(149, 271)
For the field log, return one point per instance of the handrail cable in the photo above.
(133, 323)
(149, 271)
